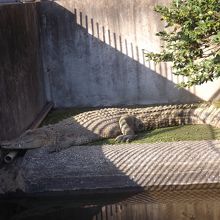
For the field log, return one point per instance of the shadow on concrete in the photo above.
(103, 174)
(88, 65)
(83, 181)
(215, 96)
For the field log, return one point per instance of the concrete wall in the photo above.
(93, 55)
(21, 82)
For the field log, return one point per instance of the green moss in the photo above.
(181, 133)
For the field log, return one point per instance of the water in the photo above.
(169, 205)
(172, 211)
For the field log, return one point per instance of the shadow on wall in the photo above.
(90, 66)
(130, 175)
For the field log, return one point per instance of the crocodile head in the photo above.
(30, 139)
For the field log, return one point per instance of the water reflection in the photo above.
(167, 205)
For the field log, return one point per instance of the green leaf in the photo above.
(191, 39)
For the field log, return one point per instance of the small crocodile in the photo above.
(120, 123)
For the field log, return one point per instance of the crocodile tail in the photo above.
(207, 115)
(182, 115)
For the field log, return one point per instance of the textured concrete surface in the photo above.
(93, 55)
(146, 167)
(21, 77)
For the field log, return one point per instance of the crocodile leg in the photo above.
(126, 124)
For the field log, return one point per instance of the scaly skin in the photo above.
(119, 123)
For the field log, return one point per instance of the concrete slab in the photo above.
(111, 169)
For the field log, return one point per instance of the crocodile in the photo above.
(120, 123)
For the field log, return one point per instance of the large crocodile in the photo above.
(119, 123)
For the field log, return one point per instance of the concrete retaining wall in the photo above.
(93, 55)
(83, 54)
(21, 81)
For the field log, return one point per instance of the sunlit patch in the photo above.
(160, 165)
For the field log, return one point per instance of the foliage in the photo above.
(191, 39)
